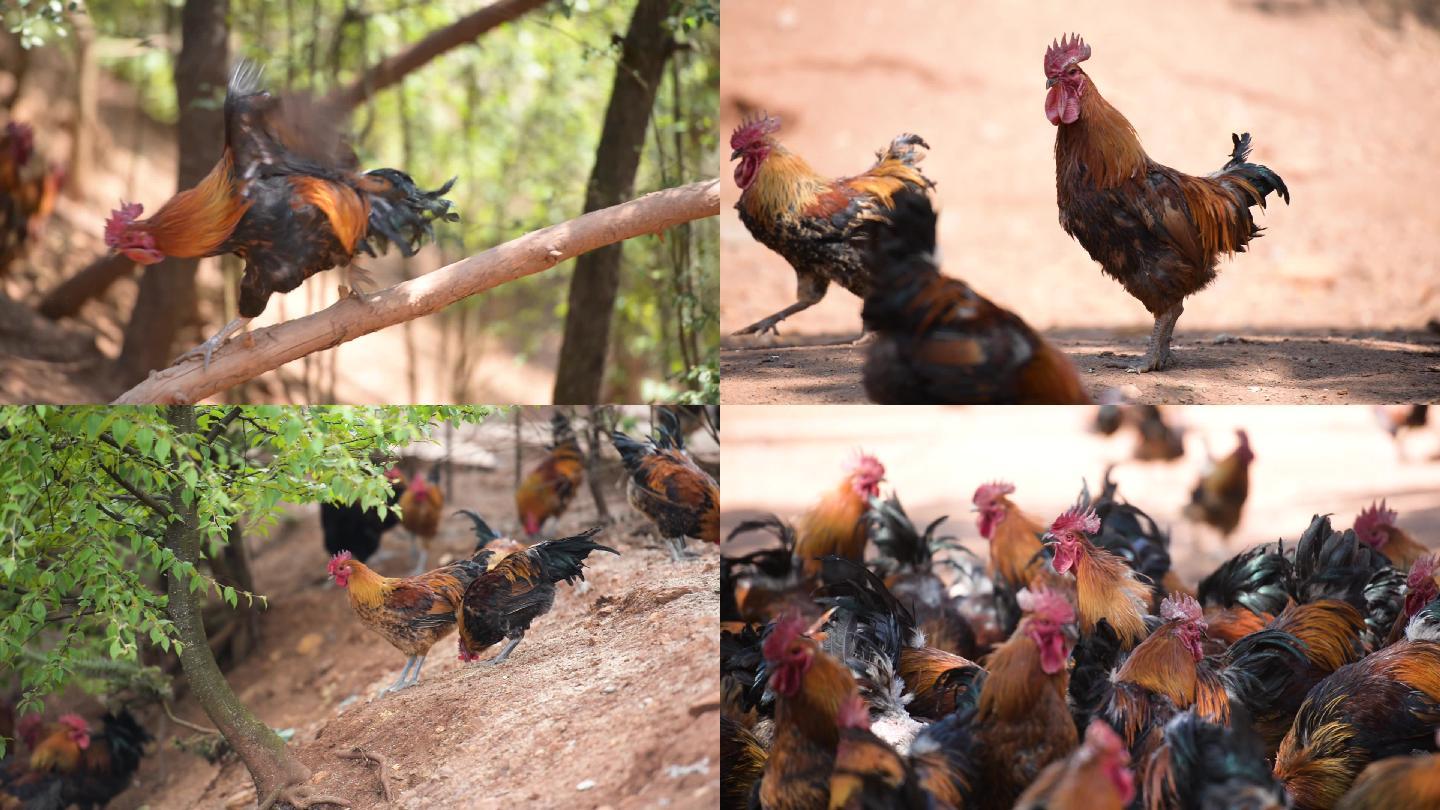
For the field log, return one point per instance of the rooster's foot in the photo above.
(206, 349)
(769, 326)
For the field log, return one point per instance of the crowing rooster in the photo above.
(939, 341)
(1155, 230)
(547, 490)
(286, 199)
(813, 221)
(501, 603)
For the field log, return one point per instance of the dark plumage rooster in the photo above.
(287, 198)
(1157, 231)
(670, 489)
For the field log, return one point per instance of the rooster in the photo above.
(421, 506)
(907, 560)
(1155, 230)
(1400, 781)
(502, 602)
(353, 528)
(28, 189)
(1017, 557)
(868, 772)
(668, 487)
(412, 613)
(285, 198)
(939, 341)
(1383, 705)
(1106, 588)
(836, 525)
(70, 765)
(1376, 528)
(547, 490)
(812, 221)
(1203, 765)
(1219, 496)
(1096, 777)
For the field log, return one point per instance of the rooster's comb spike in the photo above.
(985, 493)
(1046, 604)
(1076, 519)
(786, 630)
(752, 129)
(1369, 521)
(119, 221)
(1422, 569)
(1182, 607)
(1064, 53)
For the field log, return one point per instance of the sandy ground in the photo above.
(609, 701)
(1340, 105)
(1308, 460)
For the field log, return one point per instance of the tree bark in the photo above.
(167, 290)
(274, 346)
(394, 68)
(592, 461)
(263, 752)
(596, 281)
(87, 93)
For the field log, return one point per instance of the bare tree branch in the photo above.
(274, 346)
(394, 68)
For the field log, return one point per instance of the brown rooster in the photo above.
(71, 765)
(670, 489)
(412, 613)
(28, 188)
(1219, 496)
(1384, 705)
(501, 603)
(812, 221)
(836, 525)
(1157, 231)
(1106, 588)
(868, 772)
(1403, 781)
(939, 341)
(421, 506)
(286, 198)
(1096, 777)
(1376, 528)
(547, 490)
(1023, 723)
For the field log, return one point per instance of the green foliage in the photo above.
(81, 529)
(34, 21)
(517, 118)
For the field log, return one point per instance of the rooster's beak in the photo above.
(737, 154)
(1049, 83)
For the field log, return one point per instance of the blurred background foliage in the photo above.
(516, 115)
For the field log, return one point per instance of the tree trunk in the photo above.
(87, 70)
(167, 290)
(592, 461)
(596, 280)
(262, 751)
(71, 294)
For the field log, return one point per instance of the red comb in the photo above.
(985, 493)
(119, 220)
(1063, 54)
(1422, 569)
(1369, 522)
(1181, 607)
(75, 721)
(1046, 604)
(1076, 519)
(786, 630)
(752, 129)
(865, 465)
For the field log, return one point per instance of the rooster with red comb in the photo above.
(1106, 588)
(811, 220)
(1157, 231)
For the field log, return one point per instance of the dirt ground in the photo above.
(1308, 460)
(1335, 297)
(609, 701)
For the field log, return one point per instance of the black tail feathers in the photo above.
(565, 558)
(1261, 177)
(483, 533)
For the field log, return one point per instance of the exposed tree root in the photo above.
(380, 763)
(301, 797)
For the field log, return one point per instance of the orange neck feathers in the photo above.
(1107, 589)
(784, 186)
(1162, 664)
(197, 221)
(834, 526)
(814, 709)
(1101, 142)
(365, 586)
(1016, 680)
(1014, 545)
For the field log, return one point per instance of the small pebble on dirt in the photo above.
(586, 785)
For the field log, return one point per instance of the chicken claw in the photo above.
(206, 349)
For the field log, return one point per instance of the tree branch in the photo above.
(144, 497)
(394, 68)
(274, 346)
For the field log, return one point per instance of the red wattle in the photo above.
(1053, 102)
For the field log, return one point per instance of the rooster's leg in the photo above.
(204, 350)
(1157, 355)
(415, 676)
(400, 681)
(421, 560)
(678, 551)
(808, 288)
(505, 653)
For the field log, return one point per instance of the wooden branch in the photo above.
(394, 68)
(350, 318)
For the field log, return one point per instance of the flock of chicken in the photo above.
(1157, 231)
(1075, 669)
(496, 593)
